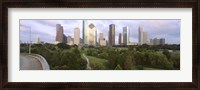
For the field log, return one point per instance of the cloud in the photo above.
(51, 23)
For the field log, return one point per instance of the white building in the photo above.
(126, 35)
(102, 41)
(89, 34)
(37, 41)
(142, 37)
(77, 36)
(145, 38)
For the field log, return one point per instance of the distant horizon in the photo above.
(46, 29)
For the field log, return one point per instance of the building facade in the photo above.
(77, 36)
(162, 41)
(125, 35)
(145, 38)
(102, 41)
(89, 34)
(111, 39)
(37, 41)
(59, 33)
(140, 36)
(120, 39)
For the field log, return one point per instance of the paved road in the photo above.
(88, 63)
(28, 62)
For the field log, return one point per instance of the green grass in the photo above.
(95, 59)
(97, 63)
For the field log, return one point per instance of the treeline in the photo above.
(59, 57)
(137, 57)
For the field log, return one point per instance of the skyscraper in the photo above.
(69, 39)
(151, 41)
(120, 39)
(125, 35)
(102, 41)
(101, 37)
(85, 32)
(37, 41)
(111, 34)
(89, 34)
(92, 31)
(145, 41)
(77, 36)
(59, 33)
(60, 36)
(140, 36)
(162, 41)
(156, 41)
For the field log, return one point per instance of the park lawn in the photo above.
(97, 63)
(95, 59)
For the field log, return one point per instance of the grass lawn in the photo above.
(95, 59)
(97, 63)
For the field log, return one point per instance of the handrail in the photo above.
(45, 65)
(42, 60)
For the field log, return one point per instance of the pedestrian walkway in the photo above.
(31, 62)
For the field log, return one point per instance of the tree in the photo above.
(175, 59)
(128, 64)
(118, 67)
(166, 53)
(63, 46)
(97, 66)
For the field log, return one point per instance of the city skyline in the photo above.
(45, 29)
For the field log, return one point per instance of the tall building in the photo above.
(101, 37)
(77, 36)
(89, 34)
(156, 41)
(151, 41)
(92, 37)
(162, 41)
(140, 36)
(69, 38)
(125, 35)
(85, 32)
(59, 33)
(102, 41)
(60, 36)
(120, 39)
(37, 41)
(111, 39)
(145, 40)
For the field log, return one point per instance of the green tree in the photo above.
(129, 62)
(118, 67)
(63, 46)
(167, 53)
(175, 59)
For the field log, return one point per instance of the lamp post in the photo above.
(30, 41)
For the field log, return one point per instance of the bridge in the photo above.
(33, 62)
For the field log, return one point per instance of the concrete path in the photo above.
(88, 62)
(28, 62)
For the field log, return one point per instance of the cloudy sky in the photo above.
(46, 29)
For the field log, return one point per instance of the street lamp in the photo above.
(30, 41)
